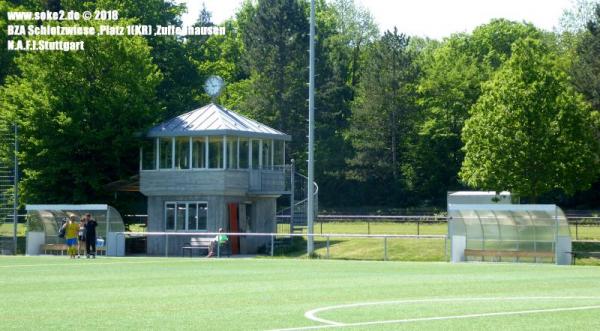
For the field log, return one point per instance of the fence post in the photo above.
(327, 246)
(166, 245)
(576, 229)
(272, 244)
(385, 249)
(418, 226)
(368, 226)
(446, 248)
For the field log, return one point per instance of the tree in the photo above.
(586, 67)
(451, 83)
(7, 66)
(343, 33)
(78, 114)
(529, 132)
(275, 37)
(576, 18)
(356, 31)
(180, 83)
(582, 58)
(222, 55)
(382, 111)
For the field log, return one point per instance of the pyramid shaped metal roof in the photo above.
(215, 120)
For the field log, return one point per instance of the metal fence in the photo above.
(381, 241)
(582, 227)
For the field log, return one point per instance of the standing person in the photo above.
(71, 230)
(90, 236)
(81, 236)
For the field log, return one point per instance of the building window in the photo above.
(149, 155)
(255, 154)
(232, 152)
(186, 216)
(215, 152)
(198, 152)
(166, 153)
(244, 153)
(182, 153)
(170, 216)
(267, 157)
(279, 153)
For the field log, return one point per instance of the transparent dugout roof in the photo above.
(49, 219)
(508, 227)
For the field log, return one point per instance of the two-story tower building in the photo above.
(212, 168)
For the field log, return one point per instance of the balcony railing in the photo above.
(273, 180)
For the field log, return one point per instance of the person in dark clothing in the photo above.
(90, 236)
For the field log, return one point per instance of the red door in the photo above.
(234, 227)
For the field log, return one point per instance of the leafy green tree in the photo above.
(581, 54)
(275, 37)
(6, 57)
(332, 102)
(7, 66)
(356, 31)
(576, 18)
(529, 132)
(180, 82)
(383, 111)
(451, 83)
(78, 113)
(586, 67)
(222, 55)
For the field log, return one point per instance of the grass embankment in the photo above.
(402, 249)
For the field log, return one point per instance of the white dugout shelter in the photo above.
(509, 233)
(44, 221)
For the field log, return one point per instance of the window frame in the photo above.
(186, 222)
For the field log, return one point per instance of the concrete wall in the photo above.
(211, 182)
(267, 181)
(261, 219)
(207, 181)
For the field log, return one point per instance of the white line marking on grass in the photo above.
(505, 313)
(335, 324)
(91, 263)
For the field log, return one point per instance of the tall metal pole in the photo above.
(311, 128)
(16, 183)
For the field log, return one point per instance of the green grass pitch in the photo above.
(46, 293)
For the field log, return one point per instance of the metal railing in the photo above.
(582, 227)
(296, 214)
(273, 236)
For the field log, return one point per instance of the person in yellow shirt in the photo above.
(71, 231)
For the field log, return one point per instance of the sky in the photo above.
(425, 18)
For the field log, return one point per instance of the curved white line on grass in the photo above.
(504, 313)
(335, 324)
(311, 314)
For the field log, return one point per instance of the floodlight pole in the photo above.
(311, 137)
(16, 183)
